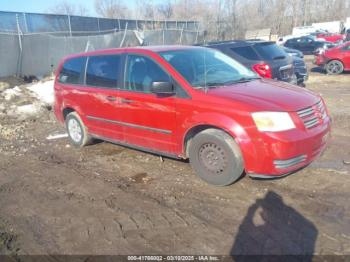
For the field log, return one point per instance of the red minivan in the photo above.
(191, 102)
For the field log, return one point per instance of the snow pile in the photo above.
(43, 91)
(30, 109)
(26, 101)
(10, 93)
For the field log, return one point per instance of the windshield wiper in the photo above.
(217, 84)
(241, 80)
(212, 84)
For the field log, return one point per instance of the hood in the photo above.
(267, 95)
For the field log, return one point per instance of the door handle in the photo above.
(126, 101)
(111, 98)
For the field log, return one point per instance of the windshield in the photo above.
(205, 67)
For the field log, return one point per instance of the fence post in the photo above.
(182, 31)
(19, 61)
(197, 36)
(70, 26)
(98, 25)
(163, 36)
(25, 22)
(126, 28)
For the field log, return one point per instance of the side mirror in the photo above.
(162, 88)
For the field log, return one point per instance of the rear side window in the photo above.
(71, 70)
(103, 71)
(270, 51)
(246, 52)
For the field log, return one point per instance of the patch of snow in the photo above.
(43, 91)
(10, 93)
(30, 109)
(58, 136)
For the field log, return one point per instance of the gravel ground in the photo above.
(107, 199)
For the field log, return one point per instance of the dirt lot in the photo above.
(106, 199)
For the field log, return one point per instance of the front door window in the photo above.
(141, 73)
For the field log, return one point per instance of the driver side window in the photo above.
(141, 72)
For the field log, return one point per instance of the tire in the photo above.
(215, 157)
(76, 130)
(334, 67)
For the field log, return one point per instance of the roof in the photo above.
(143, 49)
(238, 42)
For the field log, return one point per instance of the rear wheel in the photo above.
(216, 157)
(334, 67)
(76, 130)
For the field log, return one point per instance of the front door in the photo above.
(149, 120)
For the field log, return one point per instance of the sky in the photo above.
(41, 6)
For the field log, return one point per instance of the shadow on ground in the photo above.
(270, 227)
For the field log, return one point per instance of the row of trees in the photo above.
(222, 19)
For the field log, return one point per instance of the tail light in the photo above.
(263, 70)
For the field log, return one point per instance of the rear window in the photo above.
(269, 51)
(103, 71)
(71, 70)
(246, 52)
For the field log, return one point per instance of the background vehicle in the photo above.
(306, 44)
(191, 102)
(335, 60)
(300, 68)
(334, 27)
(282, 39)
(329, 37)
(265, 58)
(293, 52)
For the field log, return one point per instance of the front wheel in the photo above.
(334, 67)
(215, 157)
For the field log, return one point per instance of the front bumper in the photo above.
(279, 154)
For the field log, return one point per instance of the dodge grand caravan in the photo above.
(191, 102)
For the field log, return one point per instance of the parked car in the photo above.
(300, 68)
(265, 58)
(191, 102)
(306, 44)
(329, 37)
(282, 39)
(335, 60)
(293, 52)
(347, 36)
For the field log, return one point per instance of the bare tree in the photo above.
(66, 8)
(165, 9)
(112, 9)
(146, 9)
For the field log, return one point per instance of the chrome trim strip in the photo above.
(306, 113)
(281, 164)
(130, 125)
(311, 123)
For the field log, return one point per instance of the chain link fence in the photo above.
(81, 25)
(33, 44)
(39, 54)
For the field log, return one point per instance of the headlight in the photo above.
(273, 121)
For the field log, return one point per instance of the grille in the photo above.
(314, 115)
